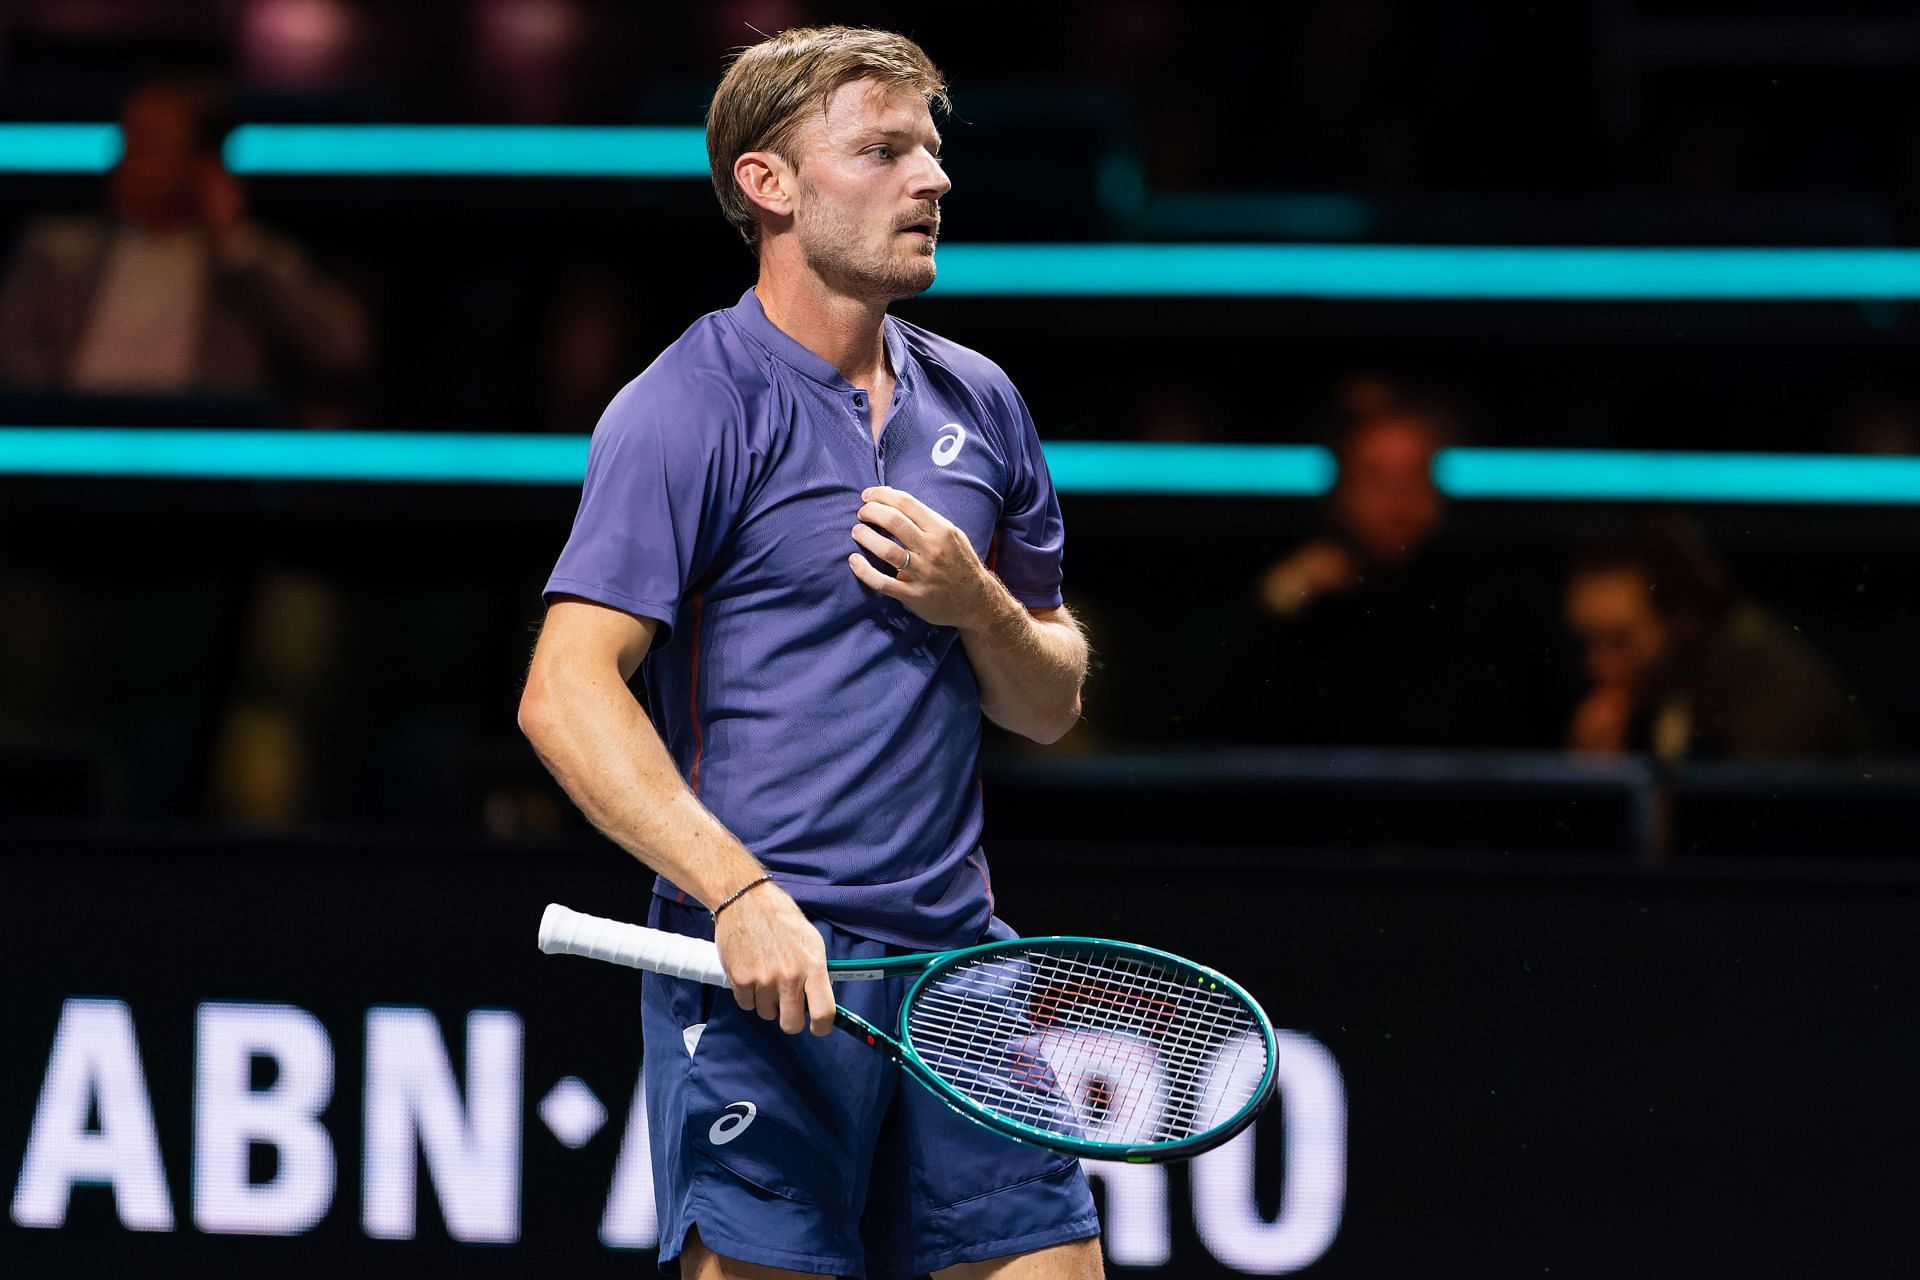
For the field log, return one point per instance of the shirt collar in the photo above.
(752, 317)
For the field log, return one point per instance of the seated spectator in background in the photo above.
(1681, 664)
(1386, 508)
(173, 289)
(1382, 630)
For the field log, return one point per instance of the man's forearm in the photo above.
(1029, 666)
(583, 721)
(597, 742)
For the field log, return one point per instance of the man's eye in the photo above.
(885, 153)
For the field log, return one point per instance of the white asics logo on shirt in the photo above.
(947, 447)
(734, 1123)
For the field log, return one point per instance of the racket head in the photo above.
(1091, 1047)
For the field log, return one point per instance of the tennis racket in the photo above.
(1080, 1045)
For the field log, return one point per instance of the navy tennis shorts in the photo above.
(816, 1153)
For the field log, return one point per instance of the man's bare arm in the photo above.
(593, 736)
(1030, 662)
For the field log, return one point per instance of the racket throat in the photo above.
(873, 1037)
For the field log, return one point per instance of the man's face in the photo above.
(1386, 497)
(1625, 639)
(867, 212)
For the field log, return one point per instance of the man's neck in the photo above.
(845, 332)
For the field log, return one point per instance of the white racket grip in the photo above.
(564, 932)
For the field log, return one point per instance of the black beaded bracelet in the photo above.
(735, 895)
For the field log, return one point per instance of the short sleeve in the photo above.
(666, 480)
(1031, 537)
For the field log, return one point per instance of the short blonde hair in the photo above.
(772, 87)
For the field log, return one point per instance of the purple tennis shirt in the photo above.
(835, 733)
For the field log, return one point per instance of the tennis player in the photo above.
(831, 537)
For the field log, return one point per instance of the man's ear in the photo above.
(767, 180)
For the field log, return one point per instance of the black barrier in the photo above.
(311, 1059)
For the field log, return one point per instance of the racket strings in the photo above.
(1198, 1030)
(1099, 1078)
(1090, 1044)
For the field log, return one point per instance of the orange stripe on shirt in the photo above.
(979, 864)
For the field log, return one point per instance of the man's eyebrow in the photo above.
(938, 141)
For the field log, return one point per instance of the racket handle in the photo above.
(564, 932)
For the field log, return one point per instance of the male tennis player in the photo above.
(832, 538)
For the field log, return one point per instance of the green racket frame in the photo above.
(898, 1045)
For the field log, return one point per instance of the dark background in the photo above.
(1546, 1066)
(1599, 123)
(1594, 1016)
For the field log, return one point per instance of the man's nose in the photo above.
(932, 181)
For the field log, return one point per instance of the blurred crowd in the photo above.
(1387, 624)
(1384, 634)
(1394, 620)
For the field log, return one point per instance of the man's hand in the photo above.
(222, 203)
(1030, 662)
(943, 582)
(1601, 721)
(1319, 568)
(776, 960)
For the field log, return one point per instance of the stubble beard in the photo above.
(833, 248)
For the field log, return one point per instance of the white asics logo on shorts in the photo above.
(734, 1123)
(947, 447)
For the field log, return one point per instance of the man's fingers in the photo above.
(922, 515)
(743, 995)
(872, 577)
(895, 522)
(881, 545)
(766, 1000)
(793, 1006)
(820, 1010)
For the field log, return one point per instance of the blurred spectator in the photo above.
(173, 289)
(1380, 630)
(1385, 509)
(1680, 664)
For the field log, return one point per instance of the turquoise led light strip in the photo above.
(467, 458)
(1428, 273)
(450, 457)
(1217, 470)
(1112, 467)
(1400, 272)
(476, 151)
(58, 148)
(1554, 475)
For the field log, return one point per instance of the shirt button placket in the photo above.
(860, 415)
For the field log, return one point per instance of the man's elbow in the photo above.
(1048, 731)
(535, 715)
